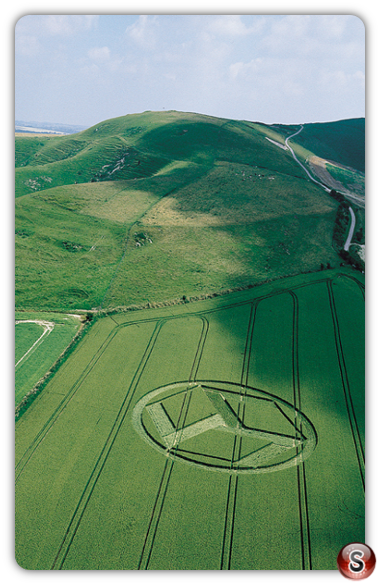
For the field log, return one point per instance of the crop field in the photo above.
(222, 434)
(40, 338)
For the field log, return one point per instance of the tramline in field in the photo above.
(47, 328)
(40, 338)
(222, 434)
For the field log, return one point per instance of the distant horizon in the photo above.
(86, 127)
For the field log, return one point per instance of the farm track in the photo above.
(346, 386)
(60, 408)
(164, 483)
(97, 470)
(301, 473)
(225, 563)
(301, 165)
(75, 387)
(48, 328)
(351, 230)
(233, 480)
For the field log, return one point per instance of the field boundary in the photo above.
(48, 328)
(164, 483)
(346, 386)
(101, 461)
(301, 473)
(204, 312)
(228, 533)
(231, 495)
(29, 398)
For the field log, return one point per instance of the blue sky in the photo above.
(79, 69)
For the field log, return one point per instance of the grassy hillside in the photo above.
(342, 141)
(137, 146)
(188, 437)
(161, 205)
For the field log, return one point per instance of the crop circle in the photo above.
(224, 426)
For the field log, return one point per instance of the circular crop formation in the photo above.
(224, 426)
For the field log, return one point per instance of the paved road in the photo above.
(350, 233)
(353, 219)
(301, 165)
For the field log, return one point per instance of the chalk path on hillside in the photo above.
(353, 219)
(48, 328)
(301, 165)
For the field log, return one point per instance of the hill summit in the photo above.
(159, 205)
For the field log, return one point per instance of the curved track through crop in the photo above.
(227, 537)
(48, 328)
(86, 495)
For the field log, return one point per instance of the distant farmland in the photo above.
(222, 434)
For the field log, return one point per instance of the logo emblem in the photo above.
(356, 561)
(224, 427)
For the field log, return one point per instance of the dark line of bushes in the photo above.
(32, 394)
(341, 227)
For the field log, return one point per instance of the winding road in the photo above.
(351, 232)
(301, 165)
(353, 219)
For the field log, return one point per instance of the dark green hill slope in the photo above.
(140, 145)
(163, 205)
(342, 141)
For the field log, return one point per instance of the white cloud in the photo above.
(241, 69)
(66, 25)
(232, 25)
(269, 80)
(248, 66)
(27, 45)
(99, 54)
(55, 25)
(339, 79)
(100, 61)
(32, 31)
(142, 32)
(315, 36)
(170, 76)
(303, 58)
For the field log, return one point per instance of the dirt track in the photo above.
(301, 165)
(48, 328)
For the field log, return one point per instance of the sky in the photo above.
(83, 69)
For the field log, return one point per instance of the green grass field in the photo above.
(218, 434)
(40, 338)
(222, 434)
(150, 207)
(334, 141)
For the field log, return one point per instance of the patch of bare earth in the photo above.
(318, 166)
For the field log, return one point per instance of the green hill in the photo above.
(163, 205)
(140, 145)
(342, 141)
